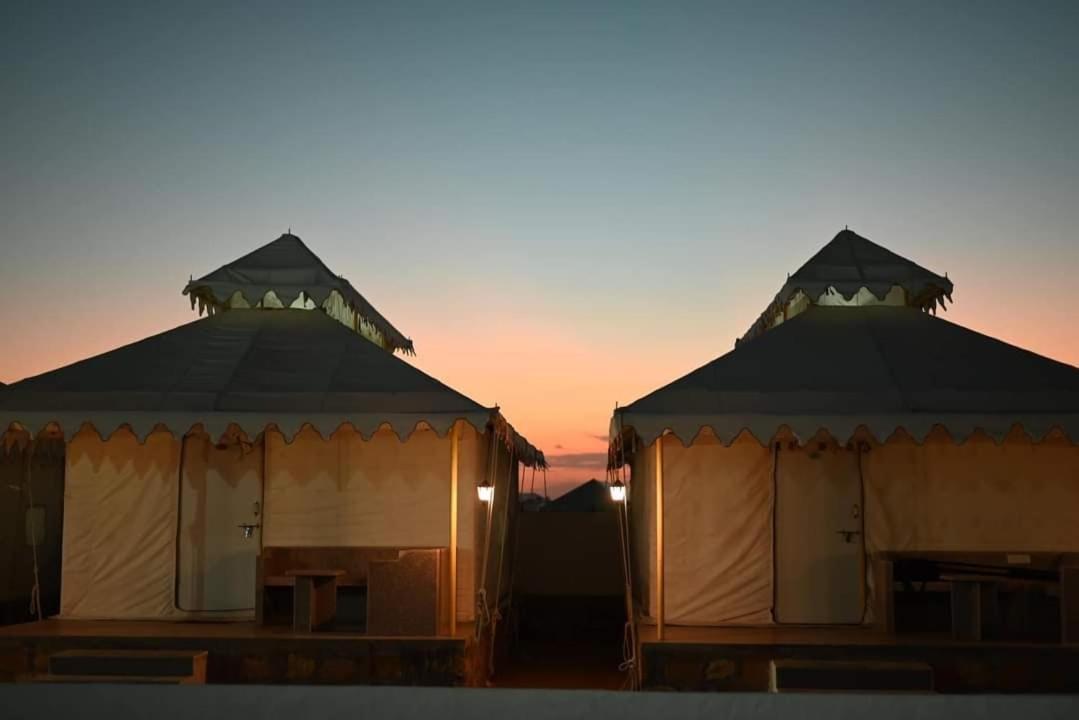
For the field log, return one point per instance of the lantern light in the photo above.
(486, 492)
(618, 491)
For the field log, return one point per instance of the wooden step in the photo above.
(833, 676)
(130, 663)
(116, 679)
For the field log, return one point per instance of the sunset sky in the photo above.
(565, 205)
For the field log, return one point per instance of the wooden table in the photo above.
(974, 601)
(314, 598)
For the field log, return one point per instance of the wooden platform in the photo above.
(243, 652)
(739, 659)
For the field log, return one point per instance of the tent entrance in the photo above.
(819, 544)
(220, 491)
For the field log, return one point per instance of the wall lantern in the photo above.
(618, 491)
(486, 492)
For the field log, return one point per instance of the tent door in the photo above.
(221, 492)
(820, 549)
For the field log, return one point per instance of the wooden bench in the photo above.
(973, 582)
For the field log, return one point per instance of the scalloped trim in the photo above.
(927, 298)
(206, 299)
(856, 432)
(220, 431)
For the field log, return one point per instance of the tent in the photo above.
(849, 423)
(285, 273)
(591, 496)
(273, 415)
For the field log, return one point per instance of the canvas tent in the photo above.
(285, 273)
(762, 481)
(280, 417)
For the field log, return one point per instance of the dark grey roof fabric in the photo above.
(884, 367)
(252, 368)
(288, 267)
(592, 496)
(850, 262)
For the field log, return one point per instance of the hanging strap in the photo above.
(35, 592)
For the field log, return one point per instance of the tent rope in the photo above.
(483, 610)
(35, 592)
(629, 663)
(496, 616)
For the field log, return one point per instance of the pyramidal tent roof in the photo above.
(882, 367)
(251, 369)
(287, 267)
(850, 262)
(591, 496)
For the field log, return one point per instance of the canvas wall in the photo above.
(122, 502)
(978, 496)
(939, 496)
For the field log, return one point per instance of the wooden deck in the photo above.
(737, 659)
(243, 652)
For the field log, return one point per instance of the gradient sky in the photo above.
(565, 205)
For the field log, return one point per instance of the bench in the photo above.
(973, 582)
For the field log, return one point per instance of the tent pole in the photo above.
(660, 589)
(453, 529)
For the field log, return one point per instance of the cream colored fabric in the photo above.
(347, 491)
(472, 465)
(718, 532)
(122, 509)
(978, 496)
(222, 489)
(641, 500)
(820, 572)
(120, 512)
(881, 368)
(374, 493)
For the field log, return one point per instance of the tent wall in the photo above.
(978, 496)
(717, 530)
(641, 501)
(222, 489)
(16, 552)
(379, 492)
(939, 496)
(120, 518)
(122, 500)
(503, 515)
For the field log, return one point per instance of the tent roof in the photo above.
(251, 368)
(288, 267)
(882, 367)
(591, 496)
(850, 262)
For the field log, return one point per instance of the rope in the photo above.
(497, 614)
(532, 489)
(35, 593)
(629, 638)
(483, 613)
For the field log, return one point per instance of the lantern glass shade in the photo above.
(486, 493)
(618, 492)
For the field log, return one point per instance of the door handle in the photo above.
(848, 535)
